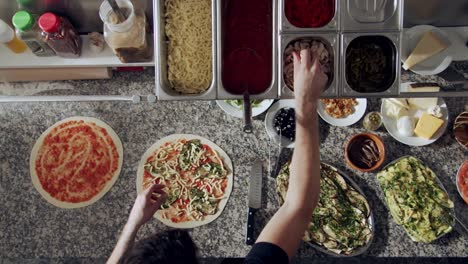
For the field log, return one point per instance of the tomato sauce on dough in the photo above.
(76, 160)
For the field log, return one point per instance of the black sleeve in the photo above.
(267, 253)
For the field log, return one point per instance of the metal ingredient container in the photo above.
(286, 26)
(285, 156)
(272, 91)
(331, 41)
(163, 89)
(371, 15)
(392, 85)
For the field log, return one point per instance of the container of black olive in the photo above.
(280, 123)
(370, 64)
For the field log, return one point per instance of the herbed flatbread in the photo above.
(76, 161)
(208, 180)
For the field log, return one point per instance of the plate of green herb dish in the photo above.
(236, 107)
(416, 199)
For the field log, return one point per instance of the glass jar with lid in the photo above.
(60, 35)
(28, 31)
(128, 39)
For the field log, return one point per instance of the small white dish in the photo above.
(391, 125)
(239, 113)
(270, 116)
(437, 63)
(359, 111)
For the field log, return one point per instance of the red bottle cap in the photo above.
(49, 22)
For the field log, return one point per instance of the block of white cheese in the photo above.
(401, 102)
(428, 46)
(424, 88)
(396, 108)
(422, 103)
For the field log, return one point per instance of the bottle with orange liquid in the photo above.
(8, 37)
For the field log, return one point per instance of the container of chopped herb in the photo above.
(372, 121)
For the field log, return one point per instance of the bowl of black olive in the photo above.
(280, 123)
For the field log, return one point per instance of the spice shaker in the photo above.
(28, 31)
(128, 39)
(60, 35)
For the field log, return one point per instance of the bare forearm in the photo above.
(126, 240)
(304, 186)
(304, 182)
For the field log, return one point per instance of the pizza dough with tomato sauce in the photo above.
(75, 162)
(197, 175)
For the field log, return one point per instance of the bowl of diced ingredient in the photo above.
(236, 107)
(280, 123)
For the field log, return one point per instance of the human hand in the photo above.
(146, 204)
(309, 81)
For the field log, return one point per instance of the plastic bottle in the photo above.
(128, 39)
(28, 31)
(60, 35)
(8, 37)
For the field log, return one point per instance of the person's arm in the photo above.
(287, 226)
(146, 204)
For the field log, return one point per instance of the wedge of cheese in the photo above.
(428, 46)
(396, 108)
(422, 103)
(427, 126)
(424, 88)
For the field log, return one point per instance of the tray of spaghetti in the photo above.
(186, 47)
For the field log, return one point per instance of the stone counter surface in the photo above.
(32, 228)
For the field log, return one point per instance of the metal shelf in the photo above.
(27, 59)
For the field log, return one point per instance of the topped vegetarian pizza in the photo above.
(197, 176)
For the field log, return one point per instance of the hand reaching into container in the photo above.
(304, 181)
(309, 81)
(146, 204)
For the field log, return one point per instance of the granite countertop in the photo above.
(33, 228)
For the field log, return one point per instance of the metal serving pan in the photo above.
(358, 251)
(333, 45)
(393, 90)
(287, 27)
(456, 223)
(163, 88)
(375, 15)
(272, 91)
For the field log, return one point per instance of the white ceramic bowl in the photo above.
(359, 111)
(391, 126)
(270, 116)
(239, 113)
(437, 63)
